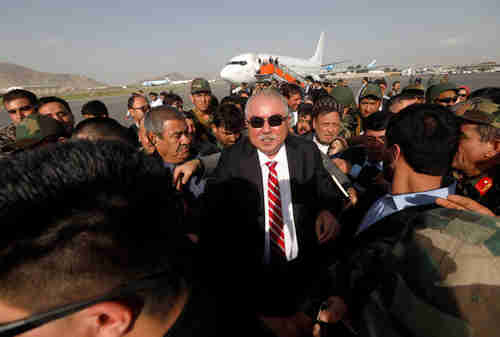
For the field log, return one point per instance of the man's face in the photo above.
(462, 95)
(447, 98)
(225, 137)
(139, 108)
(368, 106)
(58, 112)
(18, 109)
(327, 127)
(471, 152)
(304, 124)
(268, 139)
(383, 87)
(152, 98)
(178, 105)
(294, 102)
(397, 86)
(375, 145)
(201, 101)
(175, 143)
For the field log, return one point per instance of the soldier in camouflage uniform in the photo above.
(478, 155)
(18, 103)
(418, 269)
(350, 116)
(37, 130)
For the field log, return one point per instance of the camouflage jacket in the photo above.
(484, 189)
(424, 271)
(7, 138)
(351, 124)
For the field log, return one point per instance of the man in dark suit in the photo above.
(284, 204)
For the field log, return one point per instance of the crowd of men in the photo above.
(285, 209)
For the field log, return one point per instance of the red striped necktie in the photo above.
(277, 234)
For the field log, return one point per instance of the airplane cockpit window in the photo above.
(241, 63)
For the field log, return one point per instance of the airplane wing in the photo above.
(334, 63)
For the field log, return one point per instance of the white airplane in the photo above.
(163, 82)
(244, 67)
(371, 65)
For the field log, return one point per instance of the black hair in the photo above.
(88, 216)
(20, 93)
(131, 99)
(305, 109)
(95, 108)
(228, 116)
(171, 98)
(377, 121)
(103, 128)
(326, 104)
(153, 94)
(53, 99)
(428, 136)
(290, 89)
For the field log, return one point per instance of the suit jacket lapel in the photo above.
(250, 166)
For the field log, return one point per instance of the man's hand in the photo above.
(183, 172)
(327, 227)
(353, 197)
(343, 165)
(463, 203)
(332, 311)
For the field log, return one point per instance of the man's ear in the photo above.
(109, 319)
(191, 98)
(314, 123)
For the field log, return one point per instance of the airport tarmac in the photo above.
(117, 105)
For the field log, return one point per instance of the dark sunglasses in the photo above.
(143, 108)
(448, 99)
(21, 109)
(258, 122)
(462, 95)
(126, 293)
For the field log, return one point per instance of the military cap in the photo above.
(434, 91)
(200, 85)
(373, 90)
(35, 128)
(416, 90)
(343, 95)
(482, 111)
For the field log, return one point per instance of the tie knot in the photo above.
(272, 164)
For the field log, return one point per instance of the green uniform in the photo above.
(484, 189)
(7, 138)
(424, 271)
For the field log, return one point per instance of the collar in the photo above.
(402, 201)
(322, 147)
(280, 156)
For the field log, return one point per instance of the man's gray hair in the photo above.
(154, 120)
(270, 93)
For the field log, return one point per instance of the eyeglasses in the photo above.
(20, 109)
(462, 95)
(127, 293)
(258, 122)
(143, 108)
(448, 99)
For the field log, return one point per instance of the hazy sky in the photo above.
(123, 41)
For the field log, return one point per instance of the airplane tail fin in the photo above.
(372, 64)
(318, 56)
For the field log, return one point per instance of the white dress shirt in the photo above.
(157, 102)
(291, 244)
(390, 204)
(323, 148)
